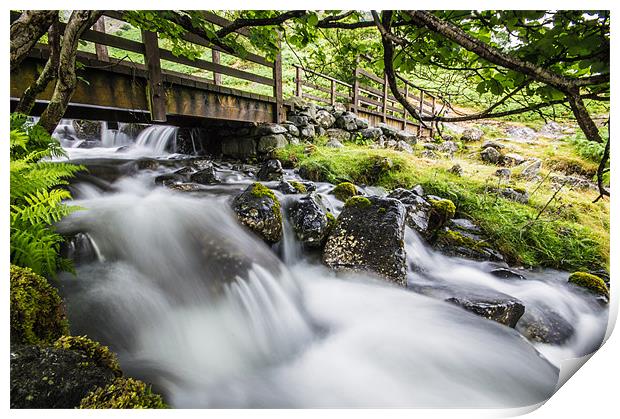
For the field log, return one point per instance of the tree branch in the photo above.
(27, 30)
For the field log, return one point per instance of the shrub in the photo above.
(123, 393)
(37, 311)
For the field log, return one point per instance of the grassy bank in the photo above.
(572, 233)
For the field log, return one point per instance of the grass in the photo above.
(571, 234)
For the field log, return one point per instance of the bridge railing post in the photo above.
(356, 90)
(433, 113)
(156, 94)
(298, 81)
(101, 50)
(420, 110)
(385, 98)
(405, 109)
(277, 87)
(215, 58)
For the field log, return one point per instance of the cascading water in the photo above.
(198, 306)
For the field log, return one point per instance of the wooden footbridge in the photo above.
(145, 85)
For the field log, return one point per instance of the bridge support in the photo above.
(156, 94)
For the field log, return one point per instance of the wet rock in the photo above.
(206, 176)
(361, 123)
(87, 130)
(417, 208)
(292, 129)
(418, 189)
(406, 136)
(186, 187)
(517, 195)
(185, 171)
(334, 143)
(461, 243)
(347, 122)
(53, 378)
(492, 144)
(299, 120)
(440, 213)
(259, 209)
(388, 131)
(338, 134)
(325, 119)
(307, 132)
(310, 220)
(503, 173)
(531, 169)
(512, 159)
(544, 325)
(448, 147)
(147, 164)
(269, 143)
(269, 129)
(405, 147)
(456, 170)
(270, 170)
(490, 155)
(369, 236)
(370, 133)
(292, 187)
(505, 273)
(505, 310)
(169, 179)
(472, 134)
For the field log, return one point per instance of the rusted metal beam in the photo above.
(155, 87)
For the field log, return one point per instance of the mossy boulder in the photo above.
(48, 377)
(418, 208)
(37, 311)
(459, 243)
(589, 282)
(441, 211)
(123, 393)
(96, 353)
(270, 170)
(369, 236)
(502, 309)
(344, 191)
(258, 209)
(310, 221)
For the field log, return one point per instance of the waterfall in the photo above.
(158, 138)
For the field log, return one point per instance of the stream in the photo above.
(211, 316)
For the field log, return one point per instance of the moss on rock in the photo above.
(300, 187)
(344, 191)
(37, 311)
(442, 210)
(358, 201)
(590, 282)
(123, 393)
(98, 353)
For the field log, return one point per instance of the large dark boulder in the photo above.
(311, 220)
(544, 325)
(270, 170)
(206, 176)
(502, 309)
(53, 378)
(259, 209)
(417, 208)
(369, 236)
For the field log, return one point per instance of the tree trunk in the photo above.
(79, 21)
(49, 72)
(26, 32)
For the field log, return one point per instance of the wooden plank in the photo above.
(356, 90)
(298, 81)
(110, 40)
(420, 110)
(222, 21)
(198, 40)
(277, 88)
(333, 93)
(101, 50)
(316, 87)
(209, 66)
(405, 109)
(385, 98)
(156, 91)
(217, 77)
(325, 76)
(371, 76)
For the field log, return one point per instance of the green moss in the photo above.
(451, 237)
(261, 191)
(442, 211)
(345, 190)
(382, 210)
(37, 311)
(123, 393)
(300, 187)
(99, 354)
(358, 201)
(330, 219)
(589, 282)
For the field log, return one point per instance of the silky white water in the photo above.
(212, 317)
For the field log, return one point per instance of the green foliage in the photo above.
(37, 311)
(36, 198)
(589, 150)
(590, 282)
(123, 393)
(94, 351)
(345, 190)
